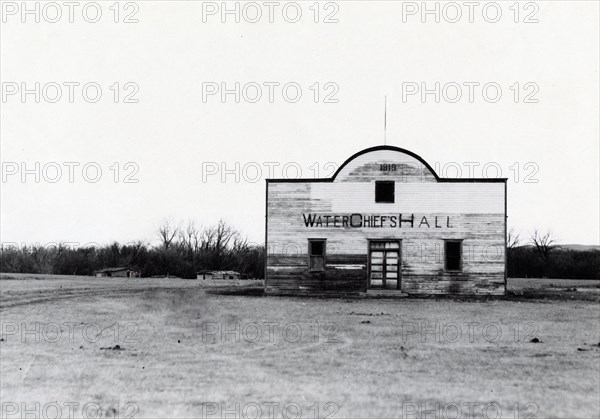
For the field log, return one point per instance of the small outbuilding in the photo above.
(119, 272)
(218, 275)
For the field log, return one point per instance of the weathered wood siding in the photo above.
(473, 212)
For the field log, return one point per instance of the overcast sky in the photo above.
(181, 132)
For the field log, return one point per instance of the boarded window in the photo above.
(453, 251)
(316, 252)
(384, 191)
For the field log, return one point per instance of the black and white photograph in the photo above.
(311, 209)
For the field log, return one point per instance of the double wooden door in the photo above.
(384, 264)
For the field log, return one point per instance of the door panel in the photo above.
(391, 284)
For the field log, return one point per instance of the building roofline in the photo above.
(393, 148)
(117, 268)
(441, 180)
(385, 147)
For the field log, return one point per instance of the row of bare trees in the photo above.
(181, 250)
(544, 243)
(187, 249)
(540, 256)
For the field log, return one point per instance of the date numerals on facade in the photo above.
(388, 167)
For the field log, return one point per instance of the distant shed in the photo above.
(218, 275)
(119, 272)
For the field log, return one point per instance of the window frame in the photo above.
(460, 256)
(310, 255)
(386, 182)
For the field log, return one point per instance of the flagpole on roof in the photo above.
(385, 121)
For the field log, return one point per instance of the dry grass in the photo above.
(370, 358)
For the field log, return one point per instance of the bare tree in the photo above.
(240, 243)
(216, 242)
(223, 235)
(207, 238)
(544, 243)
(42, 259)
(190, 237)
(167, 232)
(513, 239)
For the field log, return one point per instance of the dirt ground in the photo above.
(157, 348)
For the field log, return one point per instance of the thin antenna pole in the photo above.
(385, 121)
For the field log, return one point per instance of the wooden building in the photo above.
(118, 272)
(386, 221)
(218, 275)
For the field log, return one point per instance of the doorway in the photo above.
(384, 264)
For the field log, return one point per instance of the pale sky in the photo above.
(172, 135)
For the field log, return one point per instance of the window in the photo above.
(453, 252)
(384, 191)
(316, 254)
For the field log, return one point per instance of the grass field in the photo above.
(154, 348)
